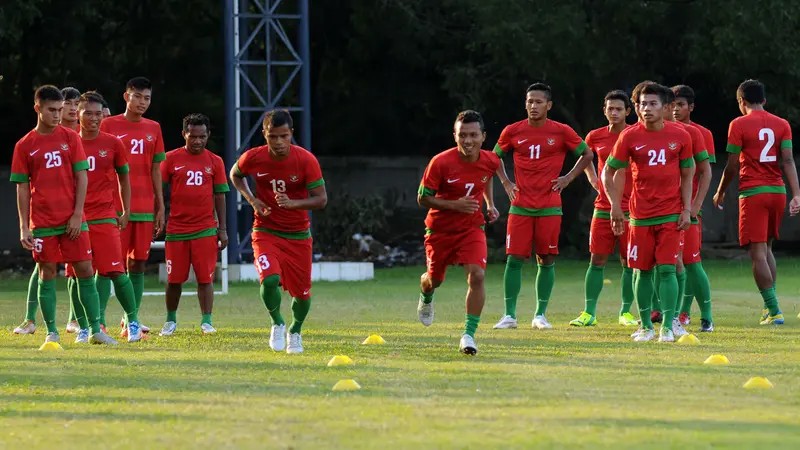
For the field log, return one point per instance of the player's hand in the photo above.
(74, 226)
(284, 201)
(684, 220)
(466, 205)
(122, 221)
(560, 183)
(158, 223)
(511, 190)
(617, 220)
(493, 214)
(719, 199)
(26, 239)
(696, 210)
(260, 207)
(222, 235)
(794, 206)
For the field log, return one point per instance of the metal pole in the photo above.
(305, 74)
(228, 20)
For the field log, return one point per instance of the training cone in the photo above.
(688, 339)
(373, 339)
(717, 360)
(606, 281)
(346, 385)
(758, 383)
(51, 347)
(340, 360)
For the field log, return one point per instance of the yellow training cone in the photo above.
(373, 339)
(51, 347)
(340, 360)
(346, 385)
(688, 339)
(717, 360)
(758, 383)
(606, 281)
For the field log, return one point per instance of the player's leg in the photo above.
(680, 277)
(758, 224)
(519, 243)
(266, 258)
(471, 253)
(690, 254)
(626, 283)
(109, 263)
(28, 326)
(178, 255)
(667, 254)
(439, 250)
(546, 230)
(697, 284)
(142, 236)
(601, 244)
(103, 284)
(773, 265)
(73, 326)
(297, 276)
(204, 261)
(641, 257)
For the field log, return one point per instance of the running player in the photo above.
(616, 107)
(452, 187)
(288, 184)
(198, 184)
(660, 157)
(758, 138)
(540, 146)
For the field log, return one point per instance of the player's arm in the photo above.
(317, 199)
(790, 170)
(687, 179)
(158, 189)
(585, 155)
(124, 182)
(488, 195)
(426, 194)
(734, 148)
(240, 183)
(24, 211)
(501, 149)
(613, 178)
(75, 222)
(222, 224)
(591, 175)
(704, 180)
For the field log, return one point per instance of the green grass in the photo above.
(582, 388)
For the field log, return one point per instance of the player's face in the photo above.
(278, 139)
(49, 112)
(615, 111)
(469, 138)
(138, 101)
(740, 101)
(668, 109)
(70, 112)
(651, 108)
(682, 110)
(91, 114)
(537, 105)
(196, 138)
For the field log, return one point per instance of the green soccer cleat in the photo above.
(777, 319)
(628, 320)
(584, 320)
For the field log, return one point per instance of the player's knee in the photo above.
(599, 260)
(271, 281)
(475, 277)
(515, 261)
(758, 251)
(47, 271)
(545, 260)
(665, 269)
(83, 269)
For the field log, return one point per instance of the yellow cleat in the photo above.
(628, 320)
(584, 320)
(777, 319)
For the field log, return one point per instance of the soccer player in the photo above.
(661, 162)
(198, 184)
(616, 107)
(755, 142)
(452, 187)
(289, 183)
(49, 167)
(697, 283)
(108, 168)
(142, 137)
(534, 222)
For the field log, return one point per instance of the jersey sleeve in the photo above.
(699, 149)
(620, 156)
(431, 179)
(734, 138)
(120, 157)
(590, 140)
(786, 142)
(244, 165)
(78, 155)
(573, 142)
(708, 138)
(495, 161)
(313, 172)
(686, 154)
(503, 146)
(158, 154)
(220, 179)
(19, 165)
(166, 172)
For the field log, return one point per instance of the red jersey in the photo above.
(708, 138)
(539, 154)
(107, 157)
(48, 163)
(757, 138)
(145, 147)
(193, 181)
(449, 177)
(294, 176)
(602, 141)
(656, 159)
(699, 152)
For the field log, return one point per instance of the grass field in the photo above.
(565, 387)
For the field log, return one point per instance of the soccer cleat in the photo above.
(467, 345)
(277, 338)
(685, 319)
(135, 332)
(666, 335)
(83, 336)
(145, 328)
(27, 327)
(103, 328)
(777, 319)
(52, 337)
(655, 317)
(637, 332)
(706, 326)
(123, 323)
(541, 323)
(628, 320)
(73, 327)
(124, 333)
(506, 322)
(168, 329)
(425, 312)
(206, 328)
(295, 343)
(764, 315)
(677, 328)
(584, 320)
(646, 335)
(102, 338)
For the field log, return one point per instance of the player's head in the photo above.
(196, 130)
(469, 132)
(750, 92)
(684, 103)
(538, 100)
(652, 98)
(635, 96)
(106, 110)
(278, 129)
(90, 111)
(48, 104)
(669, 104)
(70, 112)
(138, 92)
(616, 107)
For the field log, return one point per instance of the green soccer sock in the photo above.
(593, 286)
(206, 319)
(300, 310)
(698, 279)
(770, 300)
(137, 280)
(123, 289)
(471, 324)
(627, 290)
(643, 289)
(104, 293)
(33, 295)
(512, 283)
(78, 313)
(172, 316)
(87, 293)
(656, 299)
(668, 291)
(681, 277)
(271, 296)
(47, 303)
(545, 279)
(426, 297)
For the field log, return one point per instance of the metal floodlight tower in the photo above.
(266, 67)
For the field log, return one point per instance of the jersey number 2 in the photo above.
(768, 135)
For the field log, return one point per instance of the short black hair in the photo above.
(657, 89)
(470, 116)
(684, 91)
(47, 93)
(752, 91)
(70, 93)
(541, 87)
(92, 97)
(668, 94)
(618, 95)
(637, 91)
(196, 119)
(277, 118)
(138, 84)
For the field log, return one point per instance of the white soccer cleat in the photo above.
(168, 329)
(277, 338)
(677, 328)
(467, 345)
(73, 327)
(645, 335)
(102, 338)
(425, 312)
(206, 328)
(666, 335)
(135, 332)
(27, 327)
(505, 323)
(83, 336)
(145, 329)
(541, 323)
(295, 343)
